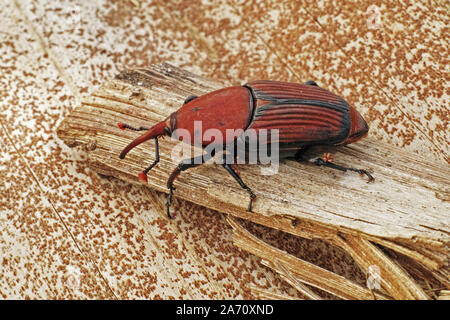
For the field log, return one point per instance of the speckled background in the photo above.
(66, 232)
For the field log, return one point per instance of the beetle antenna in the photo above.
(124, 126)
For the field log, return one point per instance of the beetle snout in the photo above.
(359, 127)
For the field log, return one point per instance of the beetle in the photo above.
(305, 116)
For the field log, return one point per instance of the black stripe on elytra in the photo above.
(252, 105)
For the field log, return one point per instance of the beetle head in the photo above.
(358, 127)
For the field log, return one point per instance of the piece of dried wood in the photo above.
(406, 209)
(290, 278)
(300, 270)
(392, 277)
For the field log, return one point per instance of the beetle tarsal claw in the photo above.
(249, 209)
(364, 172)
(169, 202)
(168, 211)
(252, 197)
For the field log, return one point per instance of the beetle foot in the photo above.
(168, 211)
(322, 162)
(364, 172)
(252, 197)
(169, 202)
(327, 157)
(143, 177)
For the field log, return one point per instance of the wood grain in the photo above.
(406, 209)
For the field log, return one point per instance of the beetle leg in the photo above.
(143, 175)
(236, 177)
(183, 166)
(326, 160)
(321, 162)
(327, 157)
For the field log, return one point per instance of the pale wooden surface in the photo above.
(60, 221)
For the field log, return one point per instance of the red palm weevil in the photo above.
(304, 115)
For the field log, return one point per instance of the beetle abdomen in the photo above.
(303, 114)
